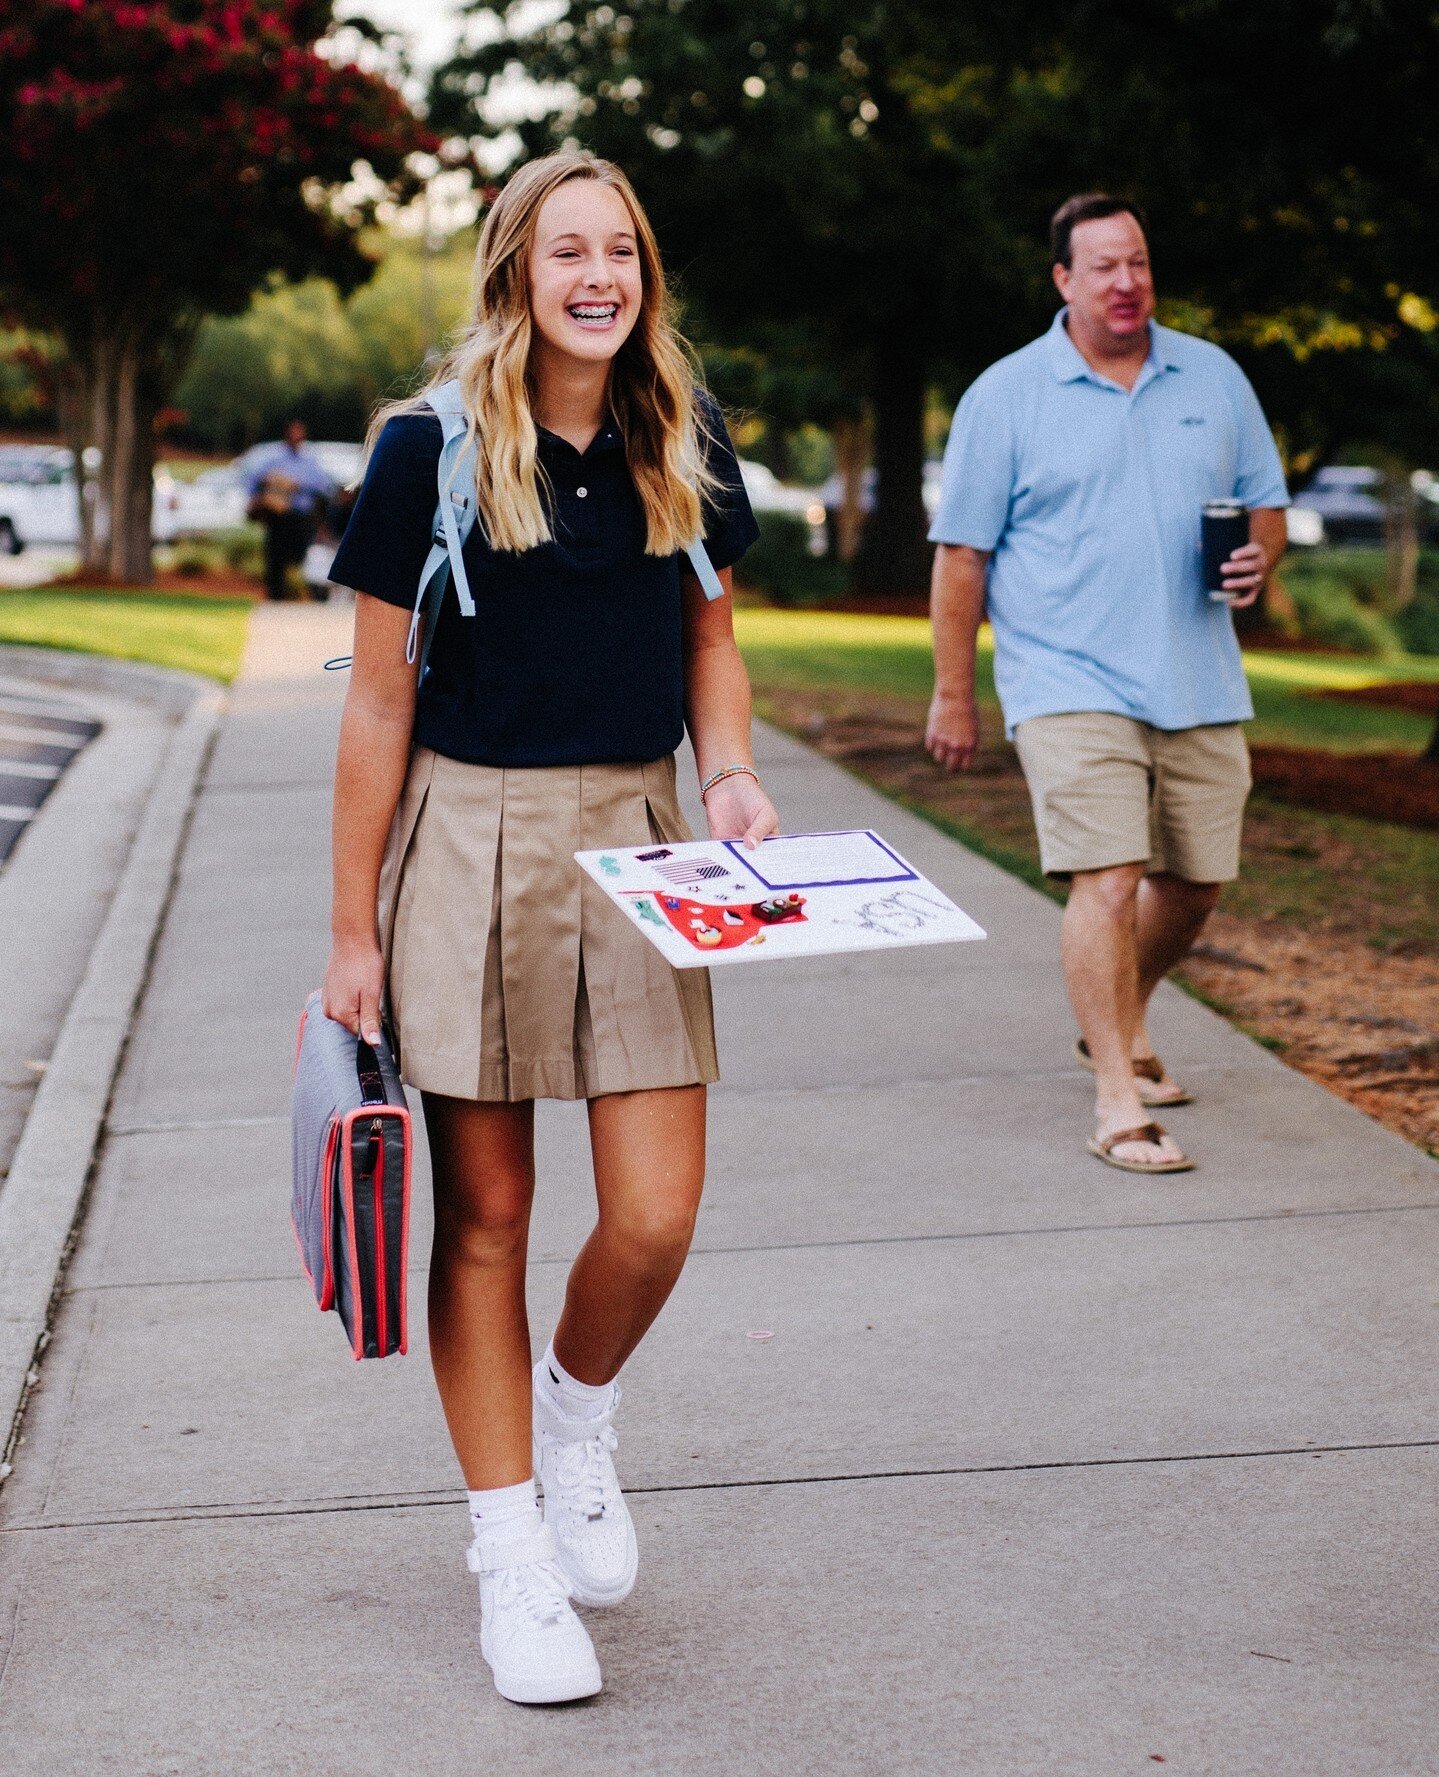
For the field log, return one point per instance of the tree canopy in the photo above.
(878, 179)
(307, 351)
(158, 160)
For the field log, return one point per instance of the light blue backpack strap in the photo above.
(453, 521)
(434, 577)
(704, 571)
(455, 513)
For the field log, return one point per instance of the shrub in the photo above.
(242, 550)
(1338, 599)
(1329, 612)
(1418, 624)
(781, 567)
(192, 561)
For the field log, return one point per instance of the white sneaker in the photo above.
(575, 1466)
(537, 1648)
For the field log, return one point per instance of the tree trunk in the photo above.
(99, 422)
(72, 404)
(851, 453)
(894, 558)
(1279, 609)
(1401, 542)
(130, 469)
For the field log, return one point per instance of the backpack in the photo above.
(455, 519)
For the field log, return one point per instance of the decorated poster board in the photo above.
(799, 894)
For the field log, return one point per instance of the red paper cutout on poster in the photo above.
(725, 928)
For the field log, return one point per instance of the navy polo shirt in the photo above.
(574, 655)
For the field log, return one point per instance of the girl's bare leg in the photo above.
(484, 1165)
(649, 1159)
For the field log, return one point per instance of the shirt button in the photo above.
(581, 492)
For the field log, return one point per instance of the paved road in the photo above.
(1046, 1469)
(78, 757)
(39, 737)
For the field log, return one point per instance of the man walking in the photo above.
(288, 490)
(1074, 480)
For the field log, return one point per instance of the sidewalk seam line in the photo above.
(919, 1083)
(222, 1514)
(419, 1268)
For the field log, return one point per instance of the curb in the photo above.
(42, 1200)
(164, 686)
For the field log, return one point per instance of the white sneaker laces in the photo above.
(583, 1471)
(526, 1577)
(537, 1591)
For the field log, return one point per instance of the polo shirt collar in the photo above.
(1070, 366)
(606, 439)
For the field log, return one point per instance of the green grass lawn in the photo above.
(786, 650)
(196, 635)
(835, 651)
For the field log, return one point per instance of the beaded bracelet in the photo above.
(718, 777)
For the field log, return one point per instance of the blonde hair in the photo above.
(652, 379)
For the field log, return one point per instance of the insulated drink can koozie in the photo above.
(1224, 527)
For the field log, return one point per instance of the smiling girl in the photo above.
(546, 724)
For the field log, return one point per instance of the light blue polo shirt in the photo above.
(1089, 496)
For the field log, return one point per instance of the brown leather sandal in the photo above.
(1147, 1068)
(1103, 1149)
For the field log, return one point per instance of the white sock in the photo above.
(575, 1399)
(505, 1512)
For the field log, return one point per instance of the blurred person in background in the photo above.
(319, 558)
(1074, 481)
(288, 494)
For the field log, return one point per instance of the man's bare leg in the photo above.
(1099, 944)
(1170, 915)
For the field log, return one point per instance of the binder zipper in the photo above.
(377, 1151)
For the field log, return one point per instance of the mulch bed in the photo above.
(1419, 695)
(1398, 787)
(1341, 1002)
(1362, 1023)
(208, 585)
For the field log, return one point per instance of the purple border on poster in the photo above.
(904, 874)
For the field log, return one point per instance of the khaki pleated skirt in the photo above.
(510, 974)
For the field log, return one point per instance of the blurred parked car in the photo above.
(37, 496)
(216, 499)
(1347, 501)
(767, 493)
(832, 492)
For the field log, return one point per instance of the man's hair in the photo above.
(1088, 206)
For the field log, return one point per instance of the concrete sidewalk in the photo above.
(1046, 1469)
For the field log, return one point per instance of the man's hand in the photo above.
(1244, 575)
(951, 734)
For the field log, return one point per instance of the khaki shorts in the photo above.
(1109, 790)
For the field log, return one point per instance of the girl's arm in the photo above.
(717, 715)
(369, 776)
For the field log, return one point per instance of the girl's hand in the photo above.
(353, 984)
(739, 809)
